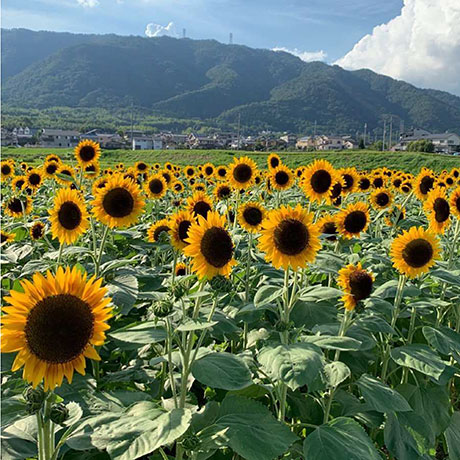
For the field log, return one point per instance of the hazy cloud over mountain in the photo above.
(307, 56)
(421, 46)
(157, 30)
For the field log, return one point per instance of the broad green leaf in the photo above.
(222, 370)
(452, 435)
(336, 373)
(266, 295)
(124, 290)
(388, 290)
(419, 357)
(319, 293)
(252, 430)
(442, 339)
(195, 325)
(331, 342)
(381, 397)
(450, 277)
(340, 439)
(141, 334)
(295, 365)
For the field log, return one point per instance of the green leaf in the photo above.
(222, 370)
(449, 277)
(340, 439)
(252, 430)
(381, 397)
(266, 295)
(140, 334)
(331, 342)
(319, 293)
(336, 373)
(452, 435)
(442, 339)
(195, 325)
(124, 290)
(419, 357)
(295, 365)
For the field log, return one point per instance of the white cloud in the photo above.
(157, 30)
(307, 56)
(88, 3)
(421, 46)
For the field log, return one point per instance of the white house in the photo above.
(147, 143)
(443, 142)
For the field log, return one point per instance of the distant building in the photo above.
(147, 143)
(443, 142)
(54, 138)
(289, 139)
(174, 141)
(326, 142)
(105, 140)
(201, 141)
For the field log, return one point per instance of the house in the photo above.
(105, 140)
(55, 138)
(201, 141)
(7, 138)
(225, 139)
(305, 143)
(147, 143)
(443, 142)
(330, 143)
(289, 139)
(174, 141)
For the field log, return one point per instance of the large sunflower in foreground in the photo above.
(318, 179)
(356, 283)
(119, 203)
(155, 186)
(87, 152)
(353, 220)
(17, 207)
(415, 251)
(54, 325)
(289, 237)
(69, 217)
(180, 225)
(281, 177)
(455, 202)
(242, 172)
(251, 216)
(437, 209)
(199, 204)
(210, 246)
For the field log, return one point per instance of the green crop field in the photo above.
(364, 159)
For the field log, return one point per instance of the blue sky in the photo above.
(333, 26)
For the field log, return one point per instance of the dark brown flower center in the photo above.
(156, 186)
(90, 168)
(417, 253)
(181, 271)
(426, 184)
(330, 229)
(222, 172)
(19, 183)
(6, 169)
(349, 181)
(167, 177)
(291, 237)
(217, 247)
(51, 168)
(377, 182)
(441, 210)
(360, 284)
(118, 202)
(364, 183)
(37, 231)
(253, 216)
(457, 203)
(397, 182)
(69, 215)
(208, 170)
(15, 205)
(3, 237)
(355, 221)
(224, 192)
(141, 166)
(336, 190)
(320, 181)
(59, 328)
(183, 230)
(274, 162)
(382, 199)
(281, 178)
(87, 153)
(35, 179)
(159, 230)
(242, 173)
(201, 208)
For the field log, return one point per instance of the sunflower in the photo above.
(209, 169)
(210, 246)
(181, 269)
(65, 175)
(34, 178)
(199, 187)
(328, 227)
(17, 184)
(273, 161)
(177, 186)
(406, 187)
(155, 186)
(50, 168)
(455, 202)
(6, 237)
(189, 172)
(180, 226)
(364, 183)
(167, 176)
(7, 169)
(395, 215)
(378, 181)
(157, 229)
(381, 198)
(335, 194)
(98, 184)
(141, 166)
(356, 283)
(37, 231)
(69, 217)
(414, 251)
(251, 216)
(169, 166)
(289, 237)
(221, 172)
(54, 324)
(91, 170)
(424, 182)
(242, 172)
(353, 220)
(350, 179)
(437, 209)
(199, 204)
(52, 157)
(318, 179)
(119, 203)
(223, 191)
(281, 177)
(87, 152)
(24, 166)
(17, 207)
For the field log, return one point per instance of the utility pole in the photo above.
(230, 39)
(314, 132)
(365, 133)
(239, 126)
(132, 123)
(384, 134)
(184, 33)
(391, 133)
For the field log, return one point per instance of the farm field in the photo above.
(230, 305)
(366, 159)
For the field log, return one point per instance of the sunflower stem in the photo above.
(410, 336)
(396, 311)
(101, 250)
(246, 297)
(40, 440)
(48, 429)
(61, 249)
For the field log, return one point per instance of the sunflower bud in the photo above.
(162, 308)
(59, 413)
(178, 289)
(191, 442)
(221, 284)
(34, 398)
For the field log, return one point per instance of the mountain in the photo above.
(207, 80)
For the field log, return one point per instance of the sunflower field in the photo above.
(224, 312)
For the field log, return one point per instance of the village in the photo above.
(445, 143)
